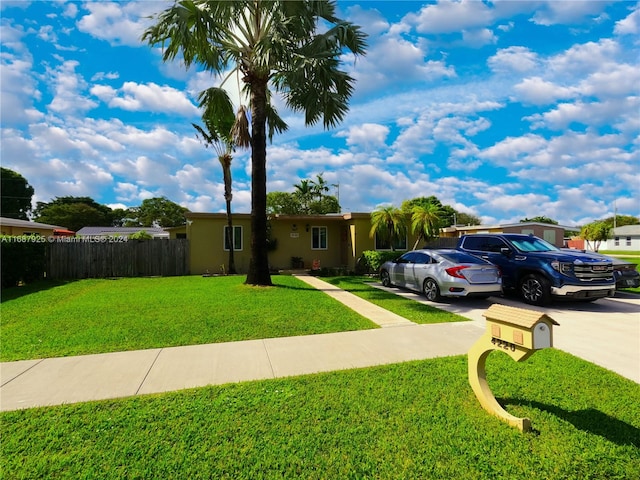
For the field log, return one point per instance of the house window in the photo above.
(385, 244)
(318, 238)
(237, 237)
(628, 241)
(617, 241)
(181, 235)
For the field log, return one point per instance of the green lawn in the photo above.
(96, 316)
(417, 420)
(416, 312)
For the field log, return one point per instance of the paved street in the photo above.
(605, 332)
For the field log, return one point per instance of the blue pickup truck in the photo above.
(539, 271)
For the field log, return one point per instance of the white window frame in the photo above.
(326, 237)
(236, 228)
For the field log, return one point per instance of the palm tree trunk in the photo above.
(232, 262)
(258, 273)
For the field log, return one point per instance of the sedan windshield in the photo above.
(533, 244)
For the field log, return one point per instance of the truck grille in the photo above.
(594, 272)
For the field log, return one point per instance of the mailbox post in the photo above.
(517, 332)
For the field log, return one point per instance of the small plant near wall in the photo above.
(141, 235)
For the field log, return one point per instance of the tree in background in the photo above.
(621, 220)
(219, 121)
(308, 198)
(448, 215)
(540, 219)
(283, 203)
(15, 194)
(73, 213)
(596, 232)
(389, 223)
(425, 220)
(157, 212)
(304, 193)
(292, 47)
(466, 219)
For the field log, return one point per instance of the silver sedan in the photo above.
(443, 273)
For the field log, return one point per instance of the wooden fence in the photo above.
(133, 258)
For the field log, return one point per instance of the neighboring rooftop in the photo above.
(121, 231)
(14, 222)
(626, 230)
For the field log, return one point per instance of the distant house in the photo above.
(13, 226)
(623, 238)
(155, 232)
(553, 234)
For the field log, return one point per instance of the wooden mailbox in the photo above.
(517, 332)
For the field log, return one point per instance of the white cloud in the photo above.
(514, 59)
(629, 25)
(537, 91)
(152, 98)
(448, 17)
(119, 23)
(367, 135)
(67, 88)
(477, 38)
(553, 12)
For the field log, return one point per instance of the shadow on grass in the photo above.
(589, 420)
(17, 292)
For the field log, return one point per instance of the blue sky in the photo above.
(505, 110)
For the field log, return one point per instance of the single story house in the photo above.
(16, 227)
(554, 234)
(297, 241)
(623, 238)
(155, 232)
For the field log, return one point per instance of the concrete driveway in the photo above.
(605, 332)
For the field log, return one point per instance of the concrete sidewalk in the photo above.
(54, 381)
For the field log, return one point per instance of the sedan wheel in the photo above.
(385, 279)
(535, 290)
(431, 290)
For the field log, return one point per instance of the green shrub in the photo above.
(141, 235)
(24, 259)
(371, 260)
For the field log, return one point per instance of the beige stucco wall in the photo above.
(205, 232)
(347, 238)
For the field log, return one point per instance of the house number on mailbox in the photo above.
(503, 344)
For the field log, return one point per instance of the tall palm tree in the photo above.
(290, 46)
(319, 186)
(388, 223)
(218, 133)
(304, 191)
(425, 219)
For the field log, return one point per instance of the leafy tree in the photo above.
(74, 213)
(319, 186)
(15, 194)
(218, 134)
(283, 203)
(540, 219)
(292, 47)
(304, 192)
(621, 220)
(389, 223)
(425, 220)
(326, 204)
(595, 232)
(157, 212)
(466, 219)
